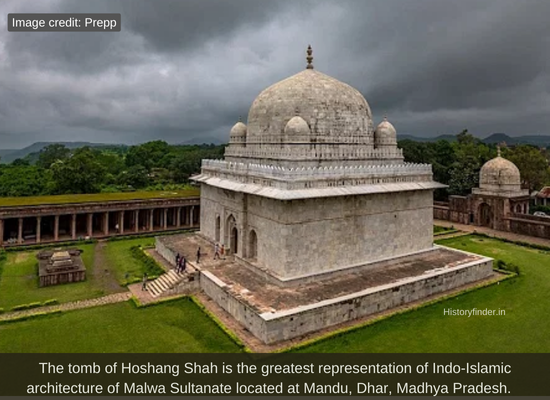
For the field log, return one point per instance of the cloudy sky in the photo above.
(187, 69)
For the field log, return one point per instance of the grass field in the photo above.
(441, 229)
(98, 197)
(19, 281)
(524, 328)
(122, 263)
(175, 327)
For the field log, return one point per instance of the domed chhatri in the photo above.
(237, 135)
(339, 121)
(296, 130)
(385, 134)
(500, 175)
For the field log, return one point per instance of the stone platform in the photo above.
(275, 312)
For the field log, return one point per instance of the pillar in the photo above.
(106, 223)
(191, 212)
(20, 231)
(165, 219)
(73, 226)
(38, 228)
(136, 221)
(121, 221)
(178, 217)
(151, 221)
(90, 224)
(1, 232)
(56, 228)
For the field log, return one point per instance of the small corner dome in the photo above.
(385, 131)
(239, 129)
(297, 126)
(499, 171)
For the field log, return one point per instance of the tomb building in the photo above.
(310, 186)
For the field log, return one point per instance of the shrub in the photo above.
(1, 310)
(22, 307)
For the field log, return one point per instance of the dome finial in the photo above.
(240, 118)
(498, 150)
(309, 57)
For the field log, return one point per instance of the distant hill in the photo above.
(450, 138)
(7, 156)
(495, 138)
(204, 140)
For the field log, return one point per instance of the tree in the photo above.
(147, 154)
(52, 153)
(532, 165)
(81, 173)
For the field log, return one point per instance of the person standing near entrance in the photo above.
(199, 255)
(217, 251)
(178, 257)
(222, 251)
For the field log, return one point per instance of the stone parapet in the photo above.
(315, 177)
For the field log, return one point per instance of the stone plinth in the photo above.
(58, 267)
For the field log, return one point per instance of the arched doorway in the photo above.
(231, 234)
(252, 244)
(485, 214)
(234, 241)
(518, 209)
(217, 231)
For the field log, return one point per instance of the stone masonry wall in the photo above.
(333, 233)
(292, 323)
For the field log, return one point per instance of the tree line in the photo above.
(157, 165)
(57, 169)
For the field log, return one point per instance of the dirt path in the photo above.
(102, 273)
(74, 305)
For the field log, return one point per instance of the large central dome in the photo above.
(312, 119)
(334, 111)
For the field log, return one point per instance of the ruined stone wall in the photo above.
(459, 207)
(530, 225)
(441, 210)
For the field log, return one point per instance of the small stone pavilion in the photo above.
(60, 266)
(323, 218)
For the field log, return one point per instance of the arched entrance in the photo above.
(217, 231)
(485, 214)
(231, 234)
(252, 244)
(234, 242)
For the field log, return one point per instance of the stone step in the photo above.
(154, 290)
(161, 283)
(174, 277)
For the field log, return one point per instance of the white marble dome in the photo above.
(237, 135)
(334, 110)
(499, 174)
(385, 134)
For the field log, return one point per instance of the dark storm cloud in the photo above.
(185, 69)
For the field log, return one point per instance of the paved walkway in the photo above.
(75, 305)
(491, 232)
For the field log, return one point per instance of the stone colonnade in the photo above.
(35, 224)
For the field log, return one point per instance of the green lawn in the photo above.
(119, 328)
(439, 229)
(122, 263)
(524, 328)
(19, 281)
(98, 197)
